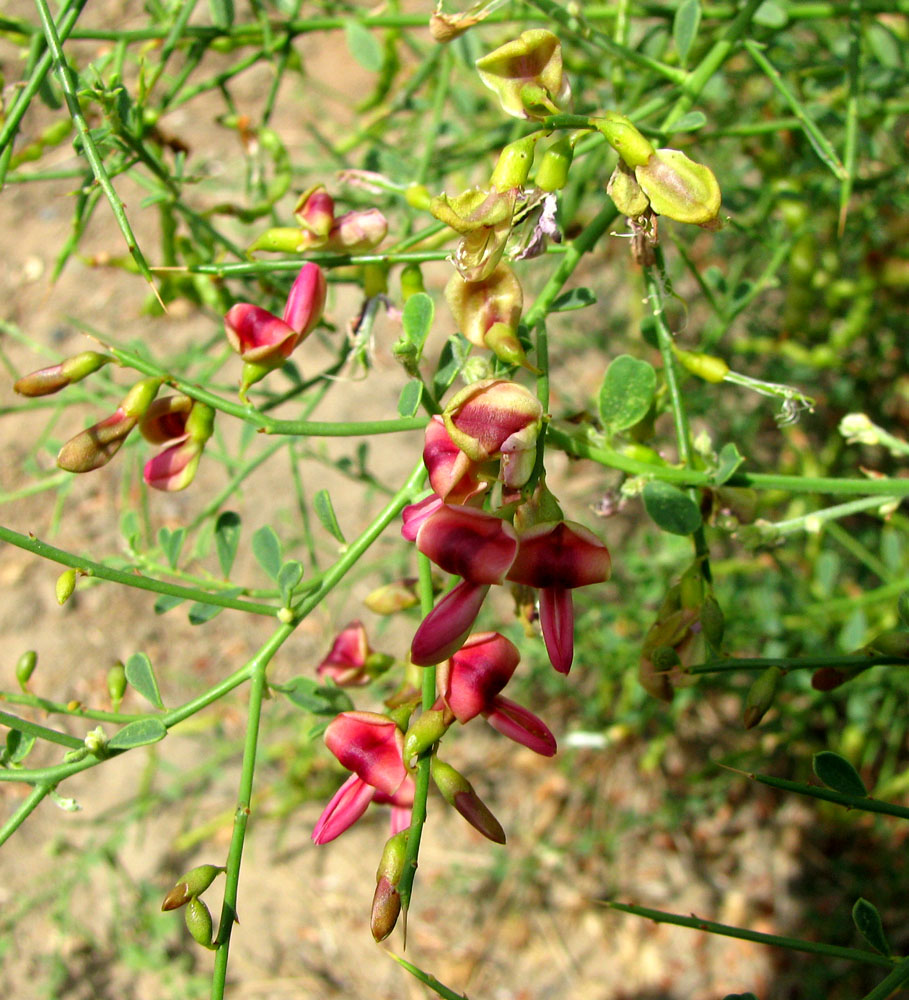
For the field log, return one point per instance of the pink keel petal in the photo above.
(443, 631)
(257, 335)
(415, 514)
(347, 805)
(522, 726)
(557, 622)
(306, 300)
(173, 468)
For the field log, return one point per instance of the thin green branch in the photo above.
(26, 807)
(776, 940)
(40, 732)
(796, 662)
(866, 804)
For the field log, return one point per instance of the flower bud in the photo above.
(760, 696)
(894, 642)
(279, 239)
(49, 380)
(192, 884)
(386, 903)
(357, 232)
(625, 139)
(526, 74)
(96, 742)
(552, 173)
(458, 792)
(418, 197)
(65, 585)
(392, 597)
(514, 163)
(315, 211)
(198, 922)
(116, 684)
(427, 729)
(705, 366)
(25, 667)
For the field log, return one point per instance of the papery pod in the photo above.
(626, 193)
(679, 188)
(526, 74)
(474, 209)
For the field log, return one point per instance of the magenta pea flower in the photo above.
(370, 745)
(265, 341)
(556, 557)
(453, 474)
(470, 682)
(350, 661)
(184, 425)
(474, 545)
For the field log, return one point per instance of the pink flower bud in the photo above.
(49, 380)
(315, 211)
(346, 660)
(386, 903)
(458, 792)
(96, 446)
(187, 424)
(357, 231)
(452, 474)
(495, 418)
(261, 338)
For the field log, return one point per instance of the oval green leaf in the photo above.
(869, 924)
(138, 734)
(325, 512)
(685, 27)
(267, 550)
(227, 539)
(626, 393)
(409, 401)
(837, 773)
(363, 46)
(140, 675)
(671, 508)
(416, 319)
(690, 122)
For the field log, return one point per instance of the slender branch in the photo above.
(866, 804)
(796, 662)
(28, 805)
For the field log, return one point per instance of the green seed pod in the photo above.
(66, 584)
(198, 922)
(760, 696)
(552, 174)
(25, 667)
(705, 366)
(192, 884)
(116, 684)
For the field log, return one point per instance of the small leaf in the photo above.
(18, 745)
(690, 122)
(227, 539)
(130, 529)
(626, 393)
(451, 361)
(685, 27)
(140, 675)
(671, 508)
(267, 550)
(837, 773)
(575, 298)
(869, 924)
(312, 696)
(417, 318)
(200, 613)
(166, 602)
(291, 574)
(171, 543)
(363, 46)
(771, 15)
(728, 462)
(325, 512)
(138, 734)
(887, 48)
(409, 401)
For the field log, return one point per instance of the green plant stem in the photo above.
(813, 520)
(573, 443)
(653, 284)
(40, 732)
(796, 662)
(89, 148)
(129, 579)
(421, 781)
(28, 805)
(268, 425)
(777, 940)
(62, 708)
(879, 597)
(850, 143)
(443, 991)
(866, 804)
(815, 136)
(888, 987)
(257, 690)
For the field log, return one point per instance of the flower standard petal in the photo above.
(369, 745)
(469, 543)
(259, 336)
(476, 673)
(306, 300)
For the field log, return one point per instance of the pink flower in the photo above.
(556, 557)
(346, 660)
(452, 473)
(261, 338)
(470, 682)
(370, 745)
(474, 545)
(185, 425)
